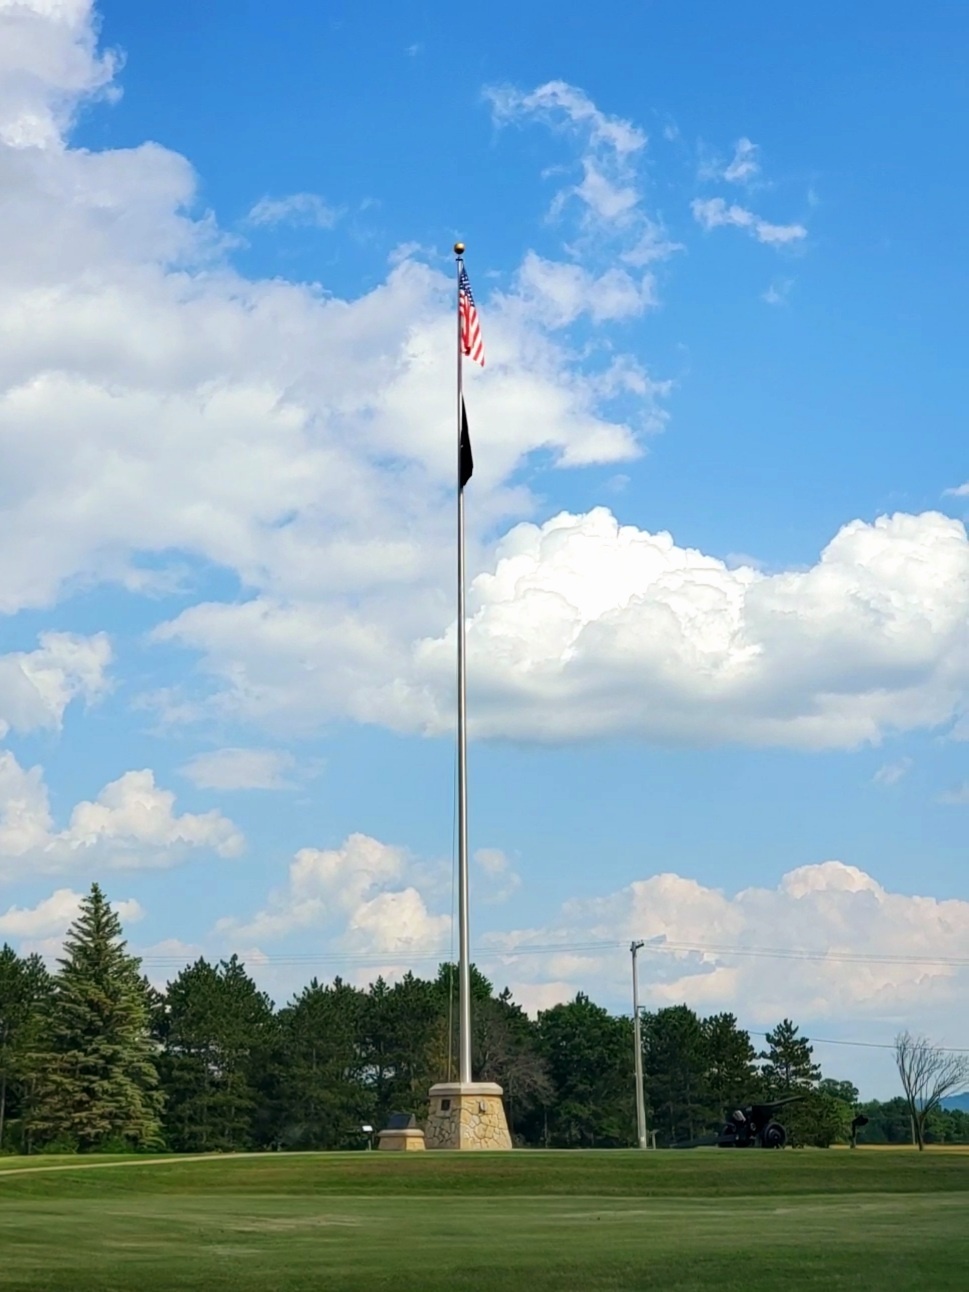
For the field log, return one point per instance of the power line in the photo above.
(867, 1045)
(360, 960)
(791, 953)
(575, 948)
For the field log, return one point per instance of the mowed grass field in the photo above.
(736, 1222)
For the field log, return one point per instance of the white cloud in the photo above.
(565, 106)
(130, 825)
(608, 191)
(711, 213)
(957, 795)
(586, 627)
(582, 628)
(37, 686)
(299, 209)
(48, 65)
(162, 961)
(157, 408)
(323, 884)
(852, 950)
(649, 244)
(891, 773)
(501, 878)
(51, 917)
(240, 769)
(155, 405)
(559, 293)
(745, 164)
(960, 491)
(362, 897)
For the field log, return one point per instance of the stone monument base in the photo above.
(466, 1115)
(406, 1140)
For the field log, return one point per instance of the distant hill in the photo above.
(957, 1101)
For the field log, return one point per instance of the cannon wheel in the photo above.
(728, 1136)
(773, 1136)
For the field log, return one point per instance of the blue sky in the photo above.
(719, 667)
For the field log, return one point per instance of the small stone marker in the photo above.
(401, 1134)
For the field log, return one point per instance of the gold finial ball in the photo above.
(459, 248)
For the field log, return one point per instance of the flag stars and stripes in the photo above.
(471, 342)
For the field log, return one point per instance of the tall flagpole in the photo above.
(464, 1113)
(464, 961)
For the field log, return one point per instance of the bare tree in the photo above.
(928, 1074)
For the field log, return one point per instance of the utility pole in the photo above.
(638, 1043)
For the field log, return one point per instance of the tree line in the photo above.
(94, 1059)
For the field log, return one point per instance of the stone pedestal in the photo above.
(405, 1140)
(468, 1115)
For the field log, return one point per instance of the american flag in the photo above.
(471, 341)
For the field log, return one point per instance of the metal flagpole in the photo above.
(464, 962)
(638, 1054)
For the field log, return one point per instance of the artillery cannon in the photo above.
(754, 1126)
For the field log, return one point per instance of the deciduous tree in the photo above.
(928, 1073)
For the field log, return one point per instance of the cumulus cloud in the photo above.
(607, 628)
(51, 917)
(37, 686)
(363, 897)
(298, 209)
(49, 63)
(848, 949)
(713, 212)
(158, 408)
(131, 825)
(827, 943)
(240, 769)
(155, 402)
(560, 293)
(582, 627)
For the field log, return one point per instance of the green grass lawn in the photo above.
(736, 1222)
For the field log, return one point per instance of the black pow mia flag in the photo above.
(467, 461)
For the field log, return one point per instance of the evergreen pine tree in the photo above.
(788, 1066)
(676, 1060)
(216, 1029)
(96, 1081)
(321, 1095)
(730, 1064)
(587, 1052)
(24, 986)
